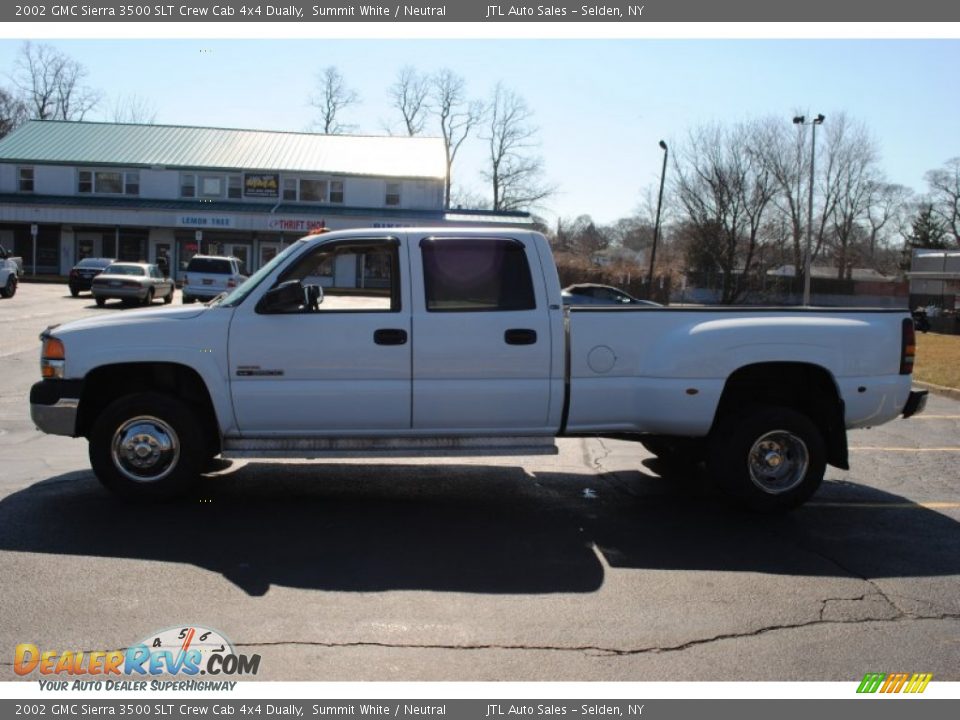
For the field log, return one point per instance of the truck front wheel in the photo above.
(772, 458)
(146, 446)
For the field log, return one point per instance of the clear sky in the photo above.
(602, 105)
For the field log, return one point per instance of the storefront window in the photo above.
(393, 194)
(26, 179)
(290, 189)
(132, 183)
(211, 186)
(234, 186)
(188, 185)
(313, 190)
(85, 181)
(336, 191)
(108, 182)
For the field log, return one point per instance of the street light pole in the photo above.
(801, 120)
(656, 224)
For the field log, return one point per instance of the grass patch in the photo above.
(938, 359)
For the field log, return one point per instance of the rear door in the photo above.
(482, 339)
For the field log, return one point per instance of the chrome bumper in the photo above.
(54, 406)
(57, 419)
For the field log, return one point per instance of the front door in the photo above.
(482, 352)
(343, 368)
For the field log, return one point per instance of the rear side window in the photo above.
(210, 265)
(476, 275)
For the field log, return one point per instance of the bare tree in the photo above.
(12, 112)
(409, 95)
(887, 213)
(51, 84)
(332, 98)
(944, 189)
(725, 189)
(784, 154)
(854, 177)
(456, 115)
(134, 109)
(516, 173)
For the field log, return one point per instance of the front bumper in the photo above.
(916, 402)
(54, 405)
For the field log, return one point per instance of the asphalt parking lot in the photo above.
(583, 566)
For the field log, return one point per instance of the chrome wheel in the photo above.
(778, 461)
(145, 449)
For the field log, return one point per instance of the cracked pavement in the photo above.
(583, 566)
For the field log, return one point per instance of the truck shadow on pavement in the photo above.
(473, 528)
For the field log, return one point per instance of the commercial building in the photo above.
(70, 190)
(935, 279)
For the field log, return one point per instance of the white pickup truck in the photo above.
(443, 342)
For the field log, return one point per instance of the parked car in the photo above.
(8, 278)
(207, 276)
(83, 273)
(593, 294)
(132, 283)
(7, 256)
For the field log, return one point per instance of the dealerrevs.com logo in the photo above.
(894, 682)
(186, 651)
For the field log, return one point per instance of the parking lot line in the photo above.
(889, 505)
(921, 416)
(907, 449)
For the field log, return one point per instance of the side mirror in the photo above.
(286, 297)
(290, 296)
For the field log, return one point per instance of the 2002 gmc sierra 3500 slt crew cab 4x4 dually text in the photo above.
(447, 342)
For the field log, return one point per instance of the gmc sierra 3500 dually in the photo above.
(443, 341)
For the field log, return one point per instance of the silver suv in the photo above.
(207, 276)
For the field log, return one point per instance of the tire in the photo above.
(74, 291)
(100, 301)
(148, 298)
(9, 288)
(188, 300)
(169, 298)
(147, 446)
(770, 458)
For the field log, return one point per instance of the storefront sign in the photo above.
(261, 185)
(292, 225)
(205, 221)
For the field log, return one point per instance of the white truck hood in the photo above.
(131, 317)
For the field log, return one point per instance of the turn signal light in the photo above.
(52, 358)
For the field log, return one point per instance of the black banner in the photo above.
(321, 11)
(346, 709)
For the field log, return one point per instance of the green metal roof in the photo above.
(173, 146)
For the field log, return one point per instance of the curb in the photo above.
(941, 390)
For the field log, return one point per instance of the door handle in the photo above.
(390, 336)
(519, 336)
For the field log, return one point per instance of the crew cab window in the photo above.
(476, 275)
(356, 275)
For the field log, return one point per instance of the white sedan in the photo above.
(132, 283)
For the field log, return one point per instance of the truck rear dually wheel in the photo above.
(146, 446)
(772, 458)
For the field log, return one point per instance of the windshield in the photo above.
(245, 288)
(124, 270)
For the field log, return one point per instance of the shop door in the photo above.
(90, 245)
(268, 251)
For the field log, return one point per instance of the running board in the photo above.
(269, 447)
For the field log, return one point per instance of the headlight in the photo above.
(52, 358)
